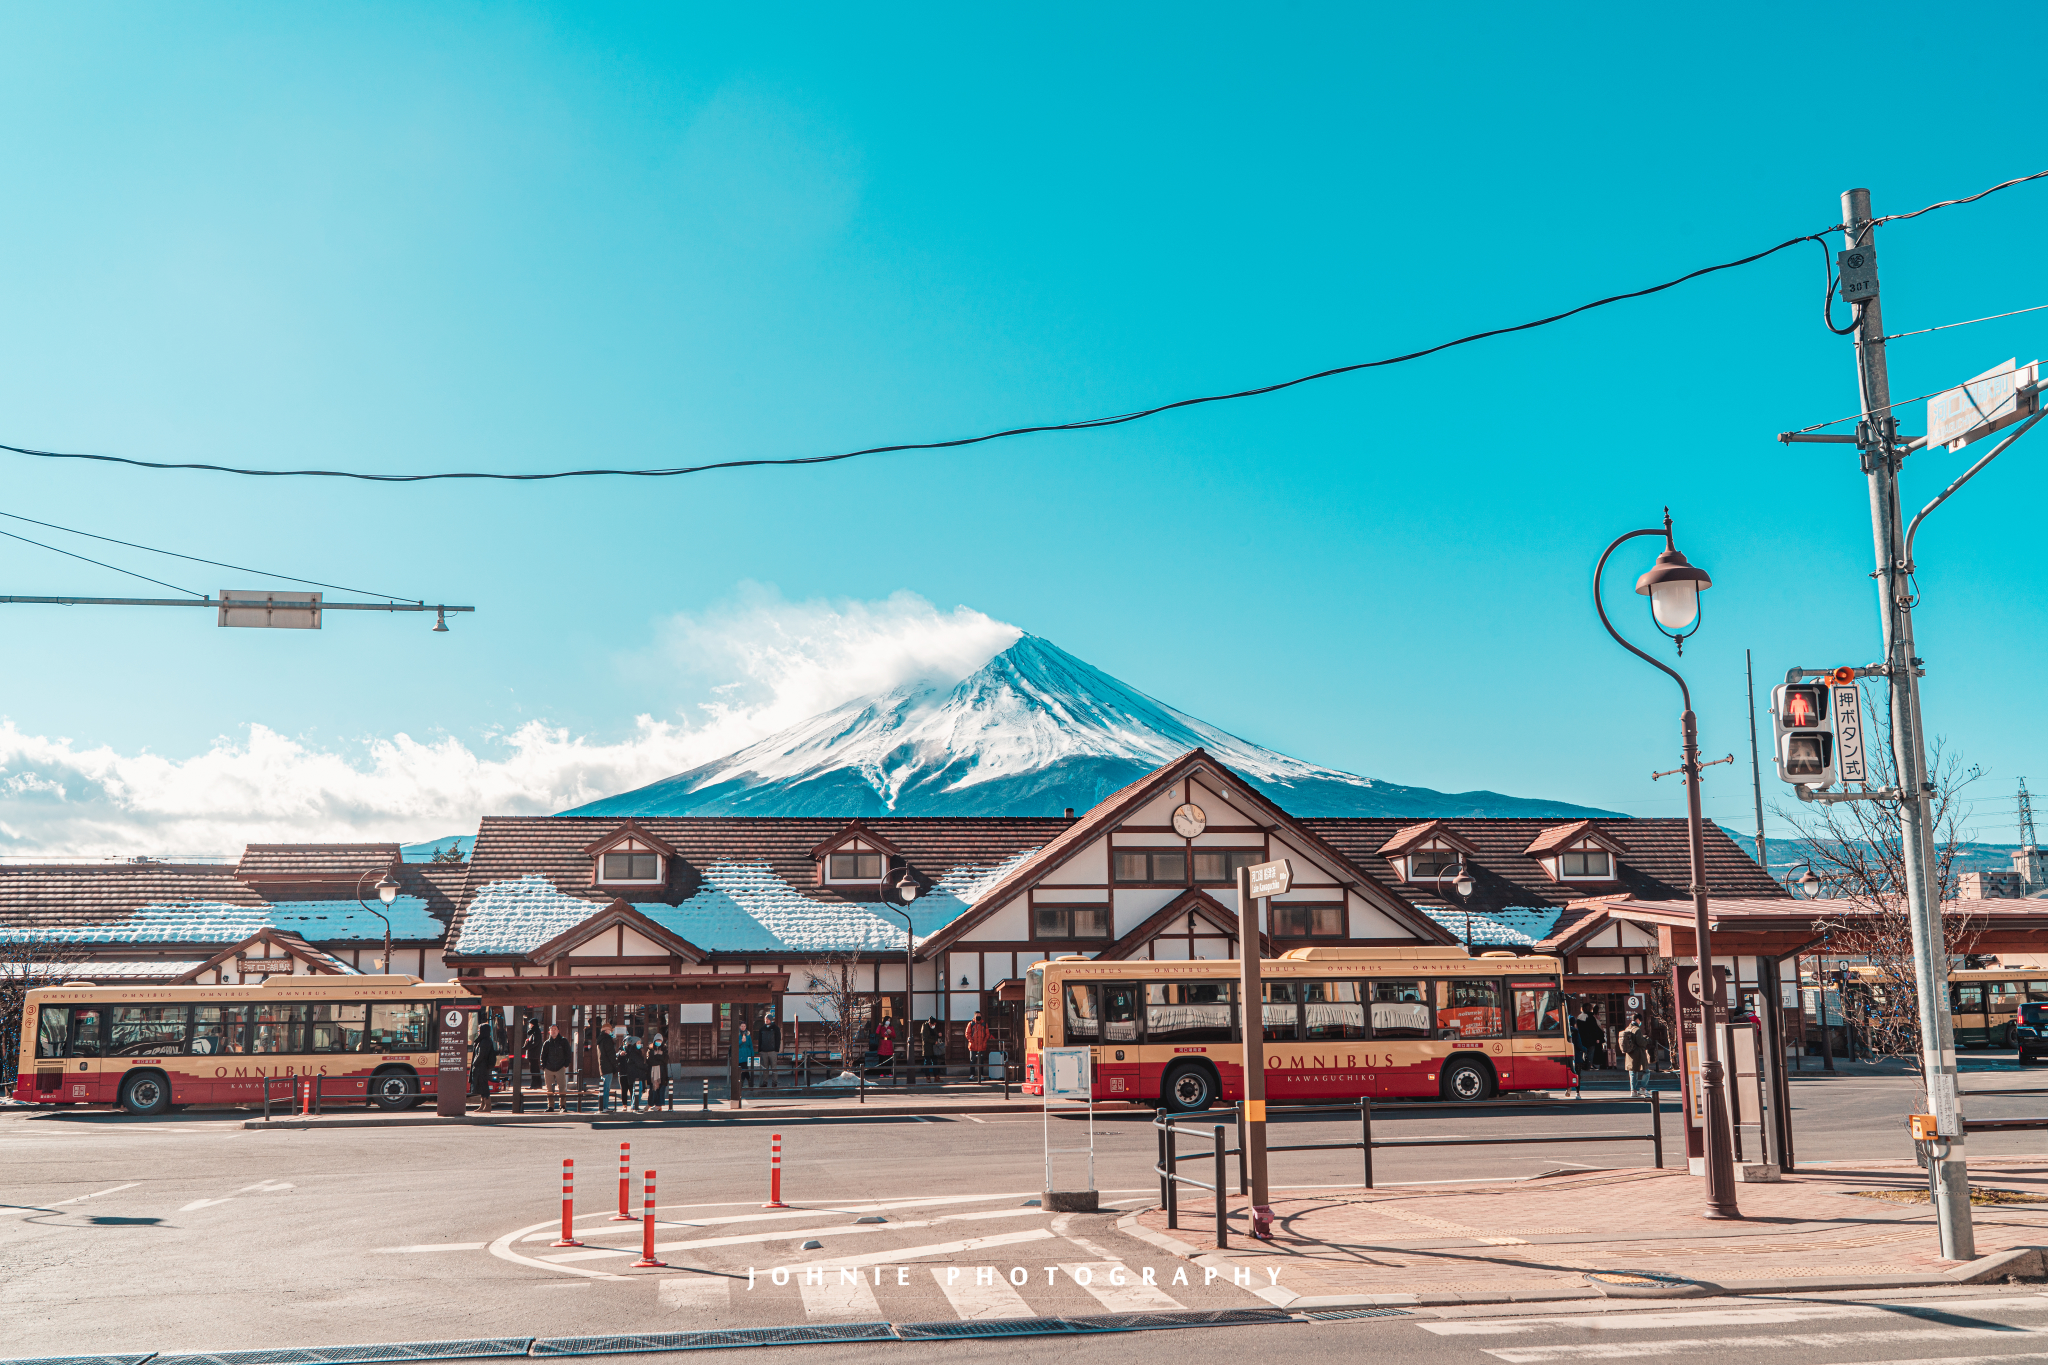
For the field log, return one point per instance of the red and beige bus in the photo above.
(1340, 1023)
(153, 1048)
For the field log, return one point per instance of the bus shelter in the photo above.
(576, 1001)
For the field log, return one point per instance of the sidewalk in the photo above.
(1536, 1239)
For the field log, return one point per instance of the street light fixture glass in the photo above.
(387, 890)
(1810, 883)
(1463, 885)
(1673, 587)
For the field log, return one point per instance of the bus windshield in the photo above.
(1034, 996)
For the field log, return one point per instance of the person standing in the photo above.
(554, 1067)
(483, 1061)
(771, 1048)
(885, 1047)
(977, 1048)
(932, 1044)
(632, 1074)
(746, 1054)
(531, 1048)
(1635, 1056)
(657, 1069)
(1586, 1040)
(607, 1067)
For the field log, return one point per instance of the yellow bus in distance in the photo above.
(1340, 1023)
(149, 1049)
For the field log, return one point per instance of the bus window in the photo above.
(53, 1031)
(85, 1032)
(148, 1030)
(1539, 1009)
(277, 1028)
(1468, 1009)
(400, 1028)
(2037, 990)
(1034, 998)
(1081, 1020)
(1399, 1010)
(1279, 1013)
(216, 1030)
(1969, 997)
(336, 1028)
(1335, 1009)
(1119, 1014)
(1187, 1012)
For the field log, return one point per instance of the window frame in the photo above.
(1244, 857)
(1447, 860)
(1067, 909)
(659, 878)
(881, 860)
(1343, 921)
(1582, 853)
(1148, 852)
(1422, 986)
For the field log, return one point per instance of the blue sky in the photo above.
(523, 237)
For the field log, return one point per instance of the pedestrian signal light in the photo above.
(1804, 733)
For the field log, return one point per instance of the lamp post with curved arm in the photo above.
(900, 883)
(387, 892)
(1673, 587)
(1463, 886)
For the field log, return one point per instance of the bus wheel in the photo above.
(145, 1092)
(1467, 1078)
(1189, 1088)
(394, 1090)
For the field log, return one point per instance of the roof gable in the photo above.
(855, 829)
(631, 829)
(1568, 836)
(1411, 837)
(321, 964)
(1192, 901)
(617, 913)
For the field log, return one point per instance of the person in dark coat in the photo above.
(607, 1067)
(554, 1067)
(483, 1061)
(932, 1043)
(532, 1051)
(657, 1069)
(632, 1074)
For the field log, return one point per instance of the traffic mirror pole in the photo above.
(1252, 1010)
(1878, 442)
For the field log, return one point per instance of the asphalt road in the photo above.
(192, 1232)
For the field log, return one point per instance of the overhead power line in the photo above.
(1085, 424)
(101, 563)
(1921, 332)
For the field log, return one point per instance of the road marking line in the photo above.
(852, 1208)
(1132, 1296)
(784, 1235)
(710, 1294)
(842, 1296)
(1720, 1317)
(265, 1186)
(903, 1255)
(63, 1203)
(203, 1204)
(1746, 1346)
(981, 1300)
(502, 1249)
(970, 1118)
(429, 1246)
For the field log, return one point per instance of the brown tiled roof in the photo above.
(552, 846)
(51, 895)
(1654, 868)
(315, 862)
(1406, 837)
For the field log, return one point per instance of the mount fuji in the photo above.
(1031, 732)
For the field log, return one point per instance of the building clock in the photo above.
(1188, 820)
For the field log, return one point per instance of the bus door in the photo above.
(84, 1074)
(1967, 1013)
(1116, 1059)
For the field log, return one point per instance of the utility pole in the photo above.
(1756, 773)
(1877, 440)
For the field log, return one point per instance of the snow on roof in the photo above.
(322, 921)
(739, 908)
(110, 971)
(1482, 929)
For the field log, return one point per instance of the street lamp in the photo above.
(1673, 586)
(387, 891)
(1463, 886)
(1810, 883)
(901, 884)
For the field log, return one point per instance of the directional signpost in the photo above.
(1992, 401)
(1256, 886)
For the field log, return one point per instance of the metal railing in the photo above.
(2002, 1125)
(1169, 1126)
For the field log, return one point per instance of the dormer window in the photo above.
(629, 857)
(1432, 863)
(1588, 864)
(854, 867)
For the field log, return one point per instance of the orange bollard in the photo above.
(647, 1261)
(305, 1098)
(625, 1213)
(775, 1175)
(568, 1238)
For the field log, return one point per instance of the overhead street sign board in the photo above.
(1973, 410)
(275, 610)
(1271, 879)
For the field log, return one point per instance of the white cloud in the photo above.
(759, 665)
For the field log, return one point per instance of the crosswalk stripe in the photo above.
(846, 1296)
(697, 1294)
(1132, 1296)
(905, 1254)
(792, 1234)
(1829, 1341)
(980, 1300)
(852, 1209)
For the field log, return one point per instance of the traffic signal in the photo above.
(1805, 734)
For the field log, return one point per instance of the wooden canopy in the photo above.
(688, 988)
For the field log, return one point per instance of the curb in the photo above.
(616, 1120)
(1987, 1269)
